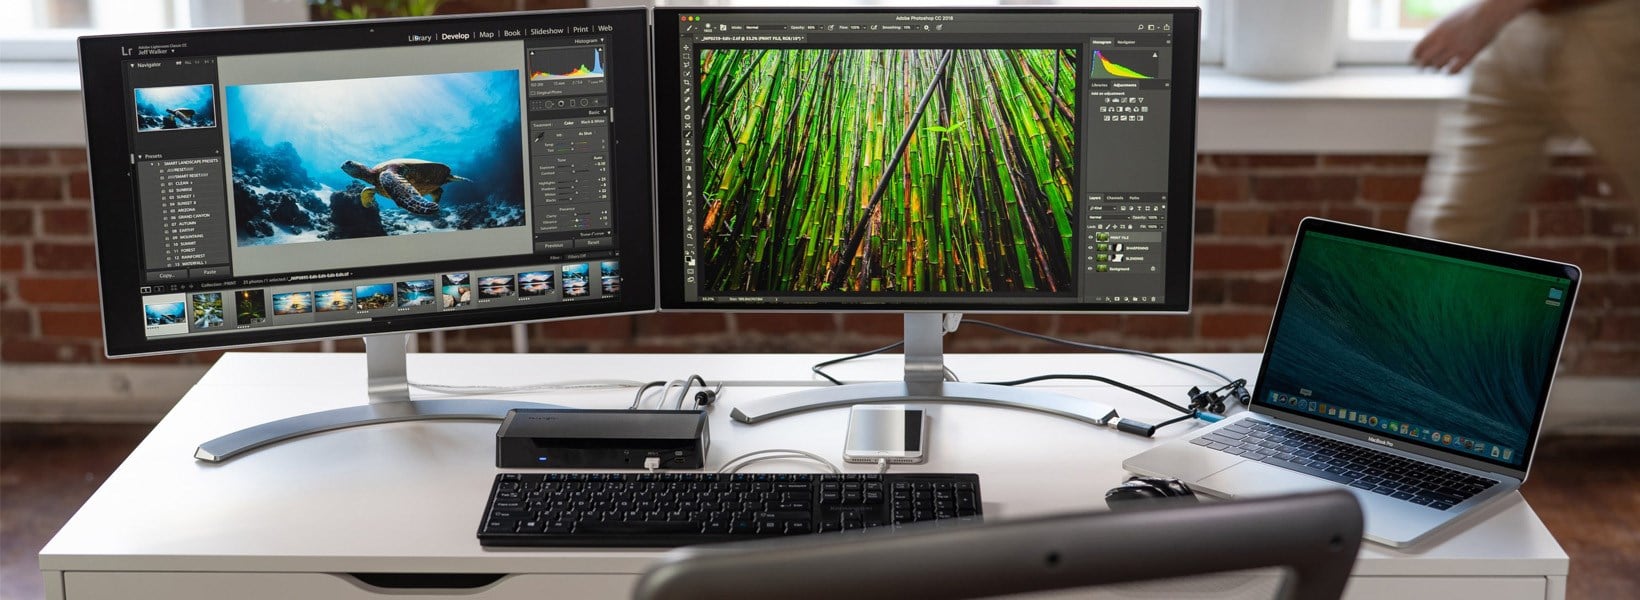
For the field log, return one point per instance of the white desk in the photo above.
(291, 520)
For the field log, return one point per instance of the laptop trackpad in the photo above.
(1258, 479)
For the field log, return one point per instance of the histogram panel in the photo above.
(575, 62)
(1126, 64)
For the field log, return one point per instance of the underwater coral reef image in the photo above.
(165, 313)
(315, 161)
(175, 107)
(375, 295)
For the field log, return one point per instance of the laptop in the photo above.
(1409, 371)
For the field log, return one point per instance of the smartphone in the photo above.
(892, 432)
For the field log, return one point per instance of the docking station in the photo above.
(602, 439)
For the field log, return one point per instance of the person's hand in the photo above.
(1452, 43)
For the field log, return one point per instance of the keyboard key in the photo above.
(1308, 470)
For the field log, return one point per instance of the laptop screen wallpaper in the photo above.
(1446, 352)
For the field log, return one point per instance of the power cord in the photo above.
(703, 398)
(1052, 376)
(1098, 347)
(1205, 405)
(819, 368)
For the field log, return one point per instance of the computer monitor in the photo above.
(369, 178)
(925, 161)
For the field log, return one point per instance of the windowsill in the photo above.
(1359, 110)
(40, 76)
(1347, 83)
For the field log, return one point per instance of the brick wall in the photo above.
(1249, 207)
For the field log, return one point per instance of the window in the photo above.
(45, 29)
(1384, 31)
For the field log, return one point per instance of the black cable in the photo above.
(687, 385)
(1177, 419)
(817, 368)
(1108, 380)
(1087, 346)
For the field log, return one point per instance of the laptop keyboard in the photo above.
(1379, 472)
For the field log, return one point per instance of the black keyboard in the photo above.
(679, 509)
(1357, 466)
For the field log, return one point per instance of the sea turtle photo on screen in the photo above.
(414, 184)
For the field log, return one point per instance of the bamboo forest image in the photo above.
(887, 170)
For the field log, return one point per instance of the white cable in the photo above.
(666, 391)
(882, 466)
(581, 385)
(683, 390)
(775, 453)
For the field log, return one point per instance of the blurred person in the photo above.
(1540, 68)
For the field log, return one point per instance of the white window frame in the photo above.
(1377, 50)
(59, 45)
(1213, 32)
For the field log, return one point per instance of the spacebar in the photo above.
(1307, 470)
(637, 527)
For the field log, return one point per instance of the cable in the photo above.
(1178, 419)
(1158, 399)
(1087, 346)
(666, 391)
(687, 384)
(882, 466)
(638, 398)
(817, 368)
(951, 376)
(568, 386)
(774, 454)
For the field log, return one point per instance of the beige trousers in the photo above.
(1576, 72)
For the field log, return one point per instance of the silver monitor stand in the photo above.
(390, 401)
(924, 383)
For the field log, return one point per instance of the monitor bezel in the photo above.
(1181, 177)
(115, 205)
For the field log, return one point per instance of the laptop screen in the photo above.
(1412, 345)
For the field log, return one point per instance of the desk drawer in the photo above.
(1404, 588)
(102, 585)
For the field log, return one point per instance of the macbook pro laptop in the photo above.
(1410, 371)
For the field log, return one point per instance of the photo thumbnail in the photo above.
(175, 107)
